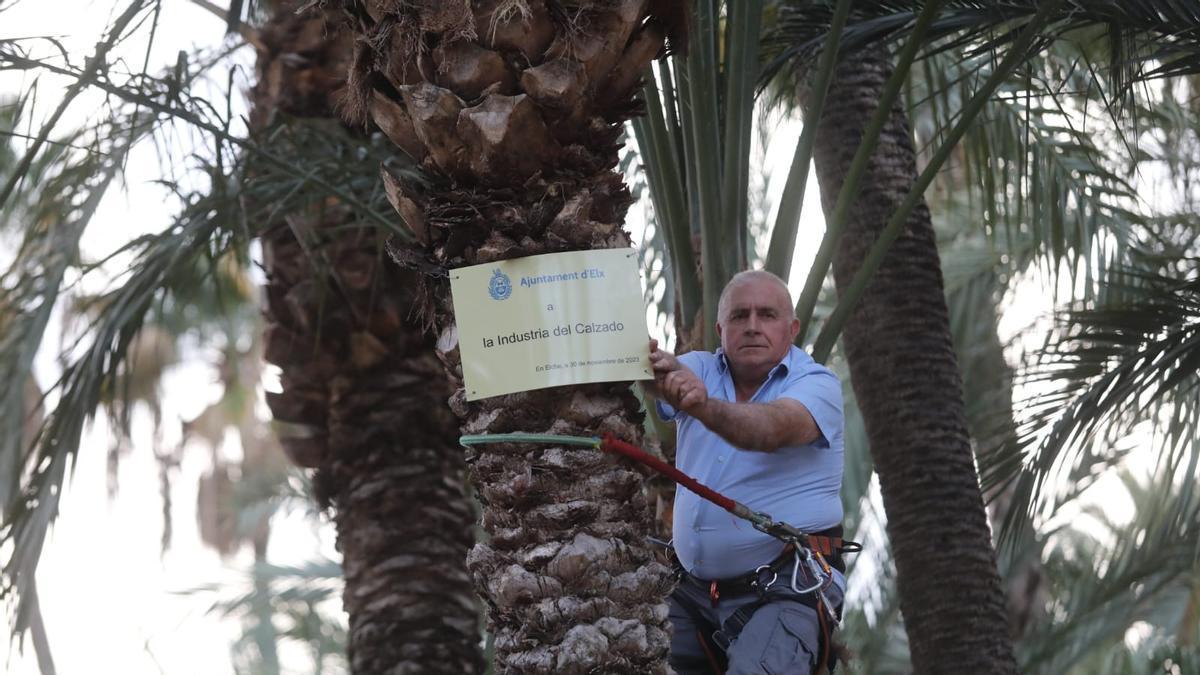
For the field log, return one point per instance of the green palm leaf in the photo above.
(168, 275)
(1115, 574)
(1143, 39)
(1138, 349)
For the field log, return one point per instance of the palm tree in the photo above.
(983, 641)
(512, 110)
(360, 378)
(364, 397)
(1078, 236)
(907, 384)
(873, 22)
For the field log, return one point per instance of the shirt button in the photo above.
(696, 528)
(721, 459)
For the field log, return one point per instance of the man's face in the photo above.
(759, 325)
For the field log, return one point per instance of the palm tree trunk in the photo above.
(906, 379)
(364, 396)
(517, 106)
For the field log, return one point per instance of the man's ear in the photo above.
(718, 331)
(794, 329)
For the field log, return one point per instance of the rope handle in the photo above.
(615, 445)
(611, 444)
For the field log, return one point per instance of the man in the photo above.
(760, 422)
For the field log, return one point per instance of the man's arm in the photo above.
(764, 427)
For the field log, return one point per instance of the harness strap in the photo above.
(732, 628)
(713, 652)
(826, 546)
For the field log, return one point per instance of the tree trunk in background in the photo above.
(364, 396)
(513, 108)
(906, 379)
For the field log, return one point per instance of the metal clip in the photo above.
(814, 569)
(758, 575)
(829, 611)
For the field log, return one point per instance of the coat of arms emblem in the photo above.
(500, 286)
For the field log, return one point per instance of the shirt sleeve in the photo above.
(820, 391)
(693, 362)
(665, 412)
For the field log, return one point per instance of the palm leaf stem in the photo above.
(858, 166)
(670, 110)
(1016, 55)
(686, 140)
(741, 71)
(666, 192)
(702, 94)
(41, 641)
(791, 203)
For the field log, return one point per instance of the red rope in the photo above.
(612, 444)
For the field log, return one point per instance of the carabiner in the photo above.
(796, 571)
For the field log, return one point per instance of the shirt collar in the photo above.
(783, 367)
(722, 364)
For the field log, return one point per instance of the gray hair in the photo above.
(747, 276)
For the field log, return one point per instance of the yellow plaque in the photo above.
(549, 320)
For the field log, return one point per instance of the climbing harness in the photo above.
(811, 573)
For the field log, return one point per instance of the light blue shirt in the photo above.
(798, 485)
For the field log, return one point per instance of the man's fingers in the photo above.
(674, 382)
(664, 364)
(694, 394)
(662, 361)
(671, 383)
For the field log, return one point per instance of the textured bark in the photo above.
(517, 106)
(364, 397)
(905, 376)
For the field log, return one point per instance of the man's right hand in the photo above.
(675, 382)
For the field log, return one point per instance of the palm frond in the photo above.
(1044, 182)
(89, 375)
(1137, 350)
(169, 98)
(92, 71)
(1111, 575)
(1022, 46)
(168, 275)
(293, 597)
(1142, 40)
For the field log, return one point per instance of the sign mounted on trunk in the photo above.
(550, 320)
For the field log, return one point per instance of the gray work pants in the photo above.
(781, 637)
